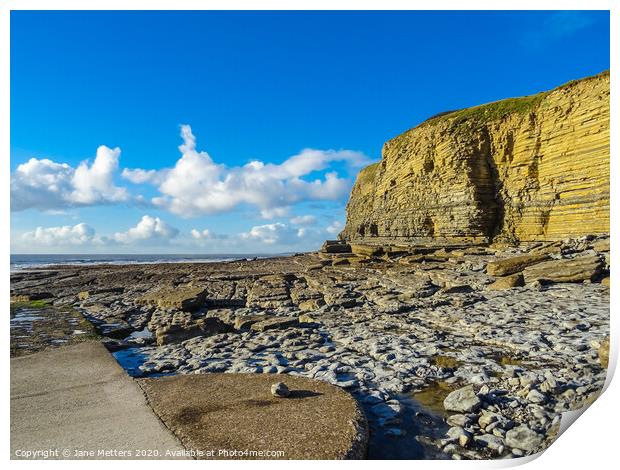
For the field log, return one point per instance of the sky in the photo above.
(242, 132)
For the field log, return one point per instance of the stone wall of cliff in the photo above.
(523, 169)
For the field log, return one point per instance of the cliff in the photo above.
(521, 169)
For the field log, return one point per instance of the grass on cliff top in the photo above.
(491, 111)
(499, 109)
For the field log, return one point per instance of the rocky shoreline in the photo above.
(453, 352)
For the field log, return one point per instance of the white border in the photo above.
(591, 443)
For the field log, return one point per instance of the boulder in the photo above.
(179, 332)
(187, 298)
(335, 246)
(463, 400)
(523, 438)
(601, 245)
(579, 269)
(548, 248)
(366, 250)
(504, 267)
(507, 282)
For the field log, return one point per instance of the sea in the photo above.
(36, 261)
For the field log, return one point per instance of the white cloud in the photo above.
(44, 184)
(303, 220)
(79, 234)
(138, 176)
(199, 235)
(149, 228)
(197, 185)
(271, 234)
(334, 228)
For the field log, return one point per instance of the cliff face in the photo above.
(524, 169)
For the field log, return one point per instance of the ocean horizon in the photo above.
(26, 261)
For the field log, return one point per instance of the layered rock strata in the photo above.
(524, 169)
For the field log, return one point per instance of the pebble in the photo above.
(280, 390)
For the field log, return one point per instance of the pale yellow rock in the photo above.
(366, 250)
(503, 267)
(507, 282)
(603, 352)
(83, 295)
(528, 169)
(582, 268)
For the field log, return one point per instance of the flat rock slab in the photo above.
(77, 399)
(235, 416)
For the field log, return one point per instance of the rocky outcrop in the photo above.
(578, 269)
(444, 328)
(523, 169)
(512, 265)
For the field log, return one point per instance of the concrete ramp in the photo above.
(77, 402)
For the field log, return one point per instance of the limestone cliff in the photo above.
(521, 169)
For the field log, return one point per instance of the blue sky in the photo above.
(278, 112)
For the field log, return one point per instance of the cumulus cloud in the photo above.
(138, 176)
(44, 184)
(334, 228)
(149, 228)
(198, 185)
(303, 220)
(79, 234)
(271, 234)
(201, 234)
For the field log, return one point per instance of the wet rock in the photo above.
(118, 330)
(462, 400)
